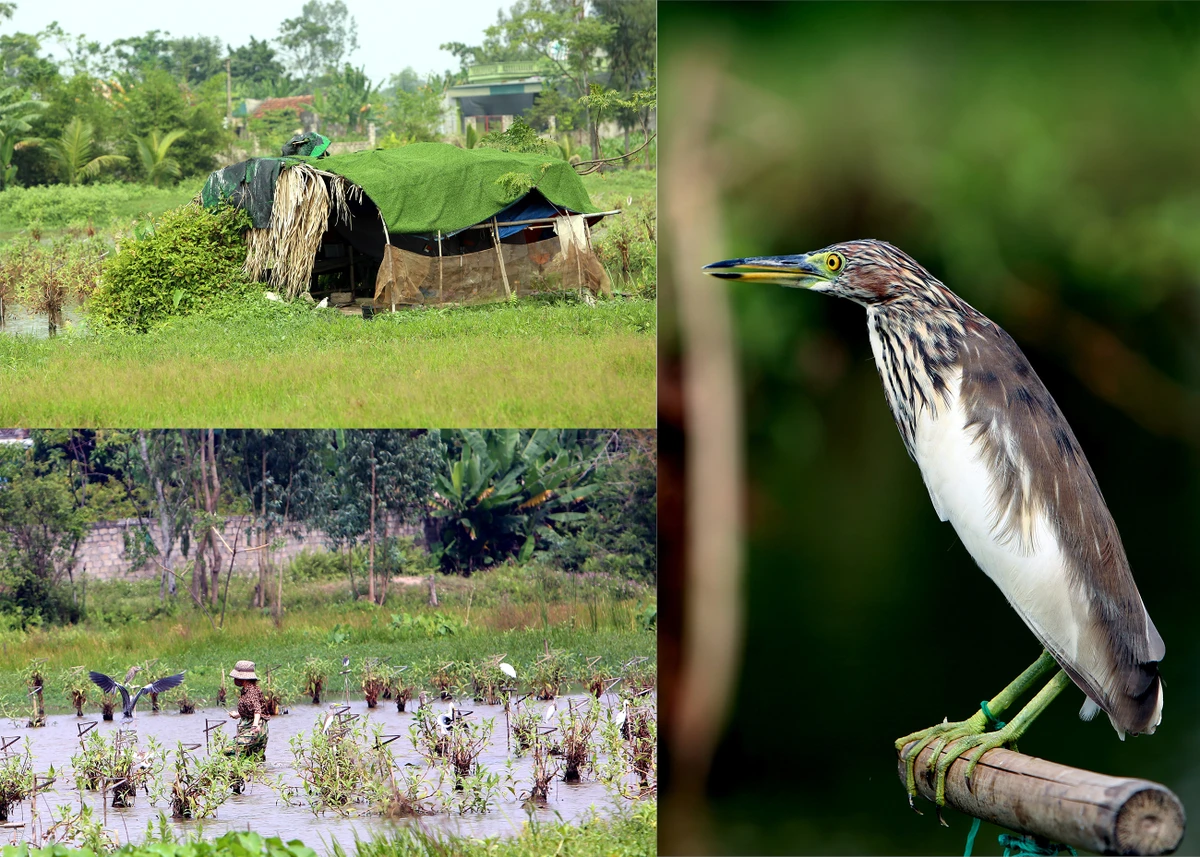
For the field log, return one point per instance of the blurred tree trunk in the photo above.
(371, 548)
(166, 530)
(213, 501)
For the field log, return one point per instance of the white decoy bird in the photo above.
(1004, 468)
(110, 685)
(621, 718)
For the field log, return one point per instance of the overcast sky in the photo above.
(391, 35)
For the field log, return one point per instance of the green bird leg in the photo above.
(1007, 735)
(976, 725)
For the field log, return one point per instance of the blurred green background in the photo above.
(1043, 160)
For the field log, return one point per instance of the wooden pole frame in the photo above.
(500, 256)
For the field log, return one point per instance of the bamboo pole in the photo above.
(387, 240)
(500, 256)
(439, 266)
(1108, 815)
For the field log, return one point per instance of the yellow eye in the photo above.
(833, 262)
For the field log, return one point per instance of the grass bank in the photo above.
(525, 363)
(512, 612)
(630, 833)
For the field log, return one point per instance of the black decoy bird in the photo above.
(111, 685)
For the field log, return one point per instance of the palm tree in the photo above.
(72, 152)
(152, 152)
(15, 116)
(348, 95)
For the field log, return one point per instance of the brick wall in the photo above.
(102, 554)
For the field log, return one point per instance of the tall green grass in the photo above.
(524, 363)
(58, 207)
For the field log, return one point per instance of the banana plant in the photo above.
(504, 488)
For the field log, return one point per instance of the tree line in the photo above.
(151, 108)
(581, 499)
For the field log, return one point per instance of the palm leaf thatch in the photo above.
(288, 247)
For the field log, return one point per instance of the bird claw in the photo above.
(941, 820)
(913, 806)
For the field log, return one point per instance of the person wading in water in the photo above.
(251, 712)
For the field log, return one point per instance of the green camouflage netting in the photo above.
(427, 187)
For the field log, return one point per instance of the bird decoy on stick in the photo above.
(1004, 468)
(110, 685)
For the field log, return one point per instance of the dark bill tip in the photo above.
(728, 263)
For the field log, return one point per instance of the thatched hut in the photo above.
(426, 224)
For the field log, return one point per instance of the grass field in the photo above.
(522, 364)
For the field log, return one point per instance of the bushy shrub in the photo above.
(189, 262)
(317, 565)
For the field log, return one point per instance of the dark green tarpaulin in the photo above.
(249, 185)
(428, 187)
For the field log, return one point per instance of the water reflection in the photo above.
(18, 321)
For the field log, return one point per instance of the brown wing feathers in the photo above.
(1030, 448)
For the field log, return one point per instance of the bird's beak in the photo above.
(797, 272)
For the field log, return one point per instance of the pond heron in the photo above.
(1004, 468)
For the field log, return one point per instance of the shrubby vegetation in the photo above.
(188, 261)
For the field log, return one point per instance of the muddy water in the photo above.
(260, 808)
(20, 321)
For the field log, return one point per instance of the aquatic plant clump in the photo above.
(116, 764)
(315, 676)
(577, 724)
(203, 783)
(16, 780)
(343, 765)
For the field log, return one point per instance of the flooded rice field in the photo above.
(273, 802)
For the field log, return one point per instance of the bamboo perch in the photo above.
(1108, 815)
